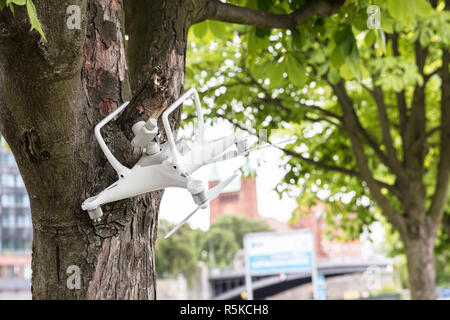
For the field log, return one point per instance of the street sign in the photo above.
(321, 288)
(270, 253)
(279, 252)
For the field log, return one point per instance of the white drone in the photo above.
(164, 165)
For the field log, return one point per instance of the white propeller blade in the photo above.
(211, 194)
(214, 192)
(182, 222)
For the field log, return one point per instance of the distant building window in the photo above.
(229, 198)
(18, 200)
(8, 245)
(9, 160)
(19, 181)
(23, 221)
(22, 200)
(8, 222)
(12, 271)
(20, 244)
(8, 200)
(8, 180)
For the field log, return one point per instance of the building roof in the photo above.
(214, 175)
(247, 169)
(276, 225)
(234, 185)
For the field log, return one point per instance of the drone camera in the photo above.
(95, 214)
(144, 132)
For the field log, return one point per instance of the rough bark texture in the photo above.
(418, 239)
(52, 95)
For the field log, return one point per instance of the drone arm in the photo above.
(176, 158)
(120, 169)
(212, 150)
(224, 156)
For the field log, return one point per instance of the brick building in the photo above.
(326, 249)
(238, 198)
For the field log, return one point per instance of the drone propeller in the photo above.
(210, 194)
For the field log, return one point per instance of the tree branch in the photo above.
(441, 191)
(446, 223)
(401, 98)
(384, 122)
(319, 164)
(369, 139)
(416, 123)
(279, 102)
(353, 130)
(217, 10)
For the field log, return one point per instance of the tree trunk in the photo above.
(418, 239)
(51, 97)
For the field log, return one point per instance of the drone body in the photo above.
(168, 164)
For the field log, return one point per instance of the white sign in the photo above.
(269, 253)
(276, 252)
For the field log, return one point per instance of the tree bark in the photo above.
(419, 239)
(51, 97)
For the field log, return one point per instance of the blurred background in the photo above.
(205, 258)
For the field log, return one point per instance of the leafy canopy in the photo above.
(282, 81)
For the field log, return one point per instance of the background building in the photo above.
(16, 230)
(238, 198)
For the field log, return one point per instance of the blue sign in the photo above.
(279, 252)
(443, 292)
(321, 288)
(269, 253)
(285, 261)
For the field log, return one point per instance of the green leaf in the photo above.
(369, 39)
(333, 76)
(32, 14)
(398, 9)
(336, 57)
(296, 71)
(275, 73)
(17, 2)
(422, 8)
(218, 29)
(346, 72)
(298, 39)
(200, 29)
(257, 41)
(346, 47)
